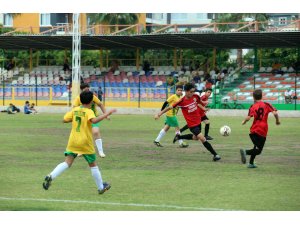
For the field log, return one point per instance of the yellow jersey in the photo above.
(171, 100)
(81, 139)
(96, 100)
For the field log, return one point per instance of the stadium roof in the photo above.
(156, 41)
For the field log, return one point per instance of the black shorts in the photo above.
(258, 140)
(196, 130)
(204, 118)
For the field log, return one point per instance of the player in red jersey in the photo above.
(190, 105)
(204, 118)
(259, 129)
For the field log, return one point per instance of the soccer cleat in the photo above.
(252, 166)
(47, 182)
(184, 145)
(208, 138)
(243, 156)
(101, 154)
(106, 187)
(176, 138)
(157, 144)
(216, 158)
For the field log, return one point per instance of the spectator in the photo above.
(32, 108)
(196, 77)
(114, 66)
(27, 108)
(170, 80)
(146, 66)
(66, 66)
(200, 86)
(276, 68)
(12, 109)
(10, 65)
(288, 96)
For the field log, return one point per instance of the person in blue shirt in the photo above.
(27, 108)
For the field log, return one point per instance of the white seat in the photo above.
(161, 73)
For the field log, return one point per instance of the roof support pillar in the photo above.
(30, 59)
(175, 59)
(101, 58)
(214, 58)
(137, 61)
(255, 61)
(180, 57)
(260, 57)
(106, 58)
(37, 58)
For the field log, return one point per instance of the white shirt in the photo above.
(288, 93)
(200, 86)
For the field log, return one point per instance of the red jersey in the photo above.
(203, 98)
(260, 111)
(190, 109)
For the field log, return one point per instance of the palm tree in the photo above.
(113, 18)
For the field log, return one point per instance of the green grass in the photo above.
(144, 177)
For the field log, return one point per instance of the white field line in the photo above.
(116, 204)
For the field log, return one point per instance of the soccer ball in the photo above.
(225, 130)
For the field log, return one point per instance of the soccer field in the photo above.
(143, 176)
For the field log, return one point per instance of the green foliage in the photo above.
(284, 56)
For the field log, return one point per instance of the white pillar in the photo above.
(76, 49)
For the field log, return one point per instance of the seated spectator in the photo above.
(208, 84)
(170, 80)
(27, 108)
(66, 66)
(196, 77)
(288, 96)
(146, 66)
(200, 86)
(12, 109)
(276, 68)
(32, 108)
(10, 65)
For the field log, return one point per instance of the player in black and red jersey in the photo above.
(204, 118)
(190, 106)
(259, 129)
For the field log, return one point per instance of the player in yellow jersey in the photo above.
(171, 118)
(95, 127)
(81, 141)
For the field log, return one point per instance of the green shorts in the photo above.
(96, 124)
(172, 121)
(90, 158)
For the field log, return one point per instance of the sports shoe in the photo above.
(157, 144)
(184, 145)
(216, 158)
(106, 187)
(176, 138)
(101, 154)
(243, 156)
(252, 166)
(47, 182)
(208, 138)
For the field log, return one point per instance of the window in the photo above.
(179, 16)
(158, 16)
(282, 20)
(45, 19)
(201, 16)
(8, 20)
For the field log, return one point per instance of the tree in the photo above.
(113, 19)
